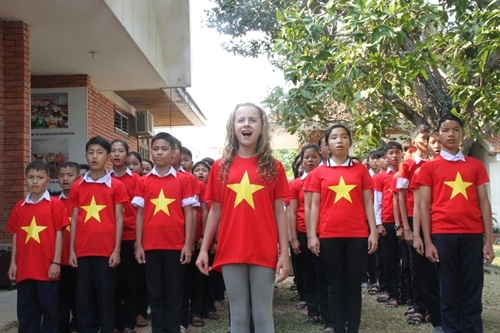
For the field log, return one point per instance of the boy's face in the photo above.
(421, 142)
(434, 145)
(393, 157)
(201, 172)
(382, 163)
(162, 152)
(37, 181)
(82, 172)
(186, 162)
(66, 177)
(450, 135)
(176, 156)
(373, 163)
(96, 157)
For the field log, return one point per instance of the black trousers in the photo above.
(126, 288)
(220, 287)
(37, 300)
(202, 290)
(379, 269)
(142, 292)
(95, 295)
(391, 259)
(67, 300)
(298, 272)
(406, 291)
(344, 259)
(461, 281)
(370, 270)
(186, 296)
(165, 282)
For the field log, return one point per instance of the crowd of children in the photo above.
(167, 233)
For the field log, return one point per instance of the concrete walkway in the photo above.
(8, 303)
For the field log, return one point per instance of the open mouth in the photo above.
(246, 133)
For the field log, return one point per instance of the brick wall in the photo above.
(15, 126)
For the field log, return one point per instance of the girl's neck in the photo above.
(340, 159)
(66, 193)
(246, 152)
(120, 169)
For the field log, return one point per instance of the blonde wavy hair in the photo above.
(267, 166)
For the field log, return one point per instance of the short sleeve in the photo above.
(186, 186)
(74, 194)
(13, 220)
(281, 189)
(481, 175)
(425, 175)
(394, 184)
(120, 192)
(377, 182)
(213, 192)
(366, 179)
(294, 194)
(314, 182)
(59, 215)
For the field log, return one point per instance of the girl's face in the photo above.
(311, 159)
(134, 165)
(247, 125)
(323, 149)
(201, 172)
(118, 154)
(339, 141)
(146, 168)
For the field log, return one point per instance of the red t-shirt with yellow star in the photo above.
(297, 193)
(164, 223)
(35, 226)
(342, 209)
(129, 210)
(454, 204)
(247, 229)
(66, 232)
(96, 223)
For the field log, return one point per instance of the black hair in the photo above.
(321, 138)
(208, 160)
(187, 152)
(434, 132)
(164, 136)
(99, 140)
(136, 155)
(373, 155)
(392, 145)
(334, 126)
(148, 161)
(406, 145)
(309, 146)
(178, 144)
(420, 129)
(84, 167)
(71, 165)
(380, 153)
(297, 161)
(125, 145)
(38, 166)
(451, 117)
(202, 163)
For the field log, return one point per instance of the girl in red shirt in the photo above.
(247, 187)
(341, 204)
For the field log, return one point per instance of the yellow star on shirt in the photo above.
(93, 210)
(458, 186)
(342, 190)
(161, 203)
(244, 191)
(33, 231)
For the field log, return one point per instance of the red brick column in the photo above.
(15, 123)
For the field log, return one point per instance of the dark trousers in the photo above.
(142, 292)
(67, 300)
(343, 259)
(461, 280)
(186, 296)
(165, 282)
(202, 290)
(379, 269)
(220, 288)
(405, 285)
(391, 259)
(95, 295)
(298, 272)
(37, 299)
(370, 270)
(126, 288)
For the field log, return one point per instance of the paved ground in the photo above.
(8, 302)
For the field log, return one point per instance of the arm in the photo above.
(404, 216)
(418, 244)
(114, 259)
(55, 266)
(485, 208)
(312, 237)
(204, 214)
(425, 218)
(72, 255)
(378, 197)
(292, 220)
(283, 266)
(211, 227)
(370, 215)
(188, 248)
(12, 273)
(139, 250)
(397, 221)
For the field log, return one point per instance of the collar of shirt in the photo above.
(417, 158)
(127, 171)
(330, 163)
(62, 196)
(304, 175)
(170, 172)
(106, 179)
(452, 158)
(390, 169)
(321, 163)
(371, 172)
(28, 200)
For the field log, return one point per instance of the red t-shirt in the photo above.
(407, 170)
(66, 232)
(247, 230)
(96, 223)
(296, 187)
(129, 210)
(454, 204)
(342, 208)
(35, 226)
(164, 222)
(382, 183)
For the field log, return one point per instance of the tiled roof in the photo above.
(494, 140)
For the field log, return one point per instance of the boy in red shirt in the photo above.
(456, 222)
(37, 223)
(164, 240)
(96, 234)
(384, 215)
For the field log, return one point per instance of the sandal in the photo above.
(140, 321)
(293, 287)
(410, 311)
(211, 315)
(391, 303)
(219, 306)
(328, 330)
(383, 297)
(312, 320)
(301, 305)
(197, 321)
(415, 319)
(373, 290)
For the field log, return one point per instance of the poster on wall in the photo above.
(58, 128)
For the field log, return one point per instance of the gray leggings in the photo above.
(247, 284)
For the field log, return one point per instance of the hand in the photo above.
(488, 253)
(202, 263)
(409, 235)
(431, 253)
(372, 243)
(12, 272)
(54, 271)
(381, 230)
(296, 246)
(114, 259)
(282, 268)
(400, 234)
(73, 261)
(186, 254)
(140, 256)
(313, 245)
(418, 244)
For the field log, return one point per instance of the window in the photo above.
(122, 123)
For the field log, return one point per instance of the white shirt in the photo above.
(377, 201)
(106, 179)
(27, 200)
(452, 158)
(127, 171)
